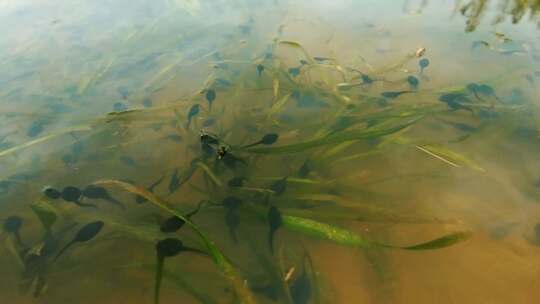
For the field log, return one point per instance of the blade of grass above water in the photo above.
(220, 260)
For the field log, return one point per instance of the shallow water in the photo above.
(93, 91)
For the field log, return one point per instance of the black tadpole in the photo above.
(96, 192)
(260, 69)
(193, 111)
(73, 195)
(394, 94)
(174, 223)
(267, 139)
(86, 233)
(167, 248)
(210, 97)
(274, 221)
(52, 193)
(279, 186)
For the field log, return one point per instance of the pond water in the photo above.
(212, 151)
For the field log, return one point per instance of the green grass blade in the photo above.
(210, 173)
(331, 140)
(324, 231)
(278, 105)
(348, 238)
(42, 139)
(345, 237)
(450, 157)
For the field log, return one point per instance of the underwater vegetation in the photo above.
(379, 120)
(245, 174)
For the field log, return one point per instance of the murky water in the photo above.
(318, 151)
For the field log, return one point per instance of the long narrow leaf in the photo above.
(331, 140)
(450, 157)
(345, 237)
(42, 139)
(342, 236)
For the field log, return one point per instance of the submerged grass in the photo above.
(350, 112)
(333, 139)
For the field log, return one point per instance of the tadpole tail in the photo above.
(233, 235)
(18, 238)
(141, 199)
(199, 205)
(116, 202)
(252, 145)
(81, 204)
(156, 183)
(62, 251)
(271, 241)
(195, 250)
(159, 275)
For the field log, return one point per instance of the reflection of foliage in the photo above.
(474, 9)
